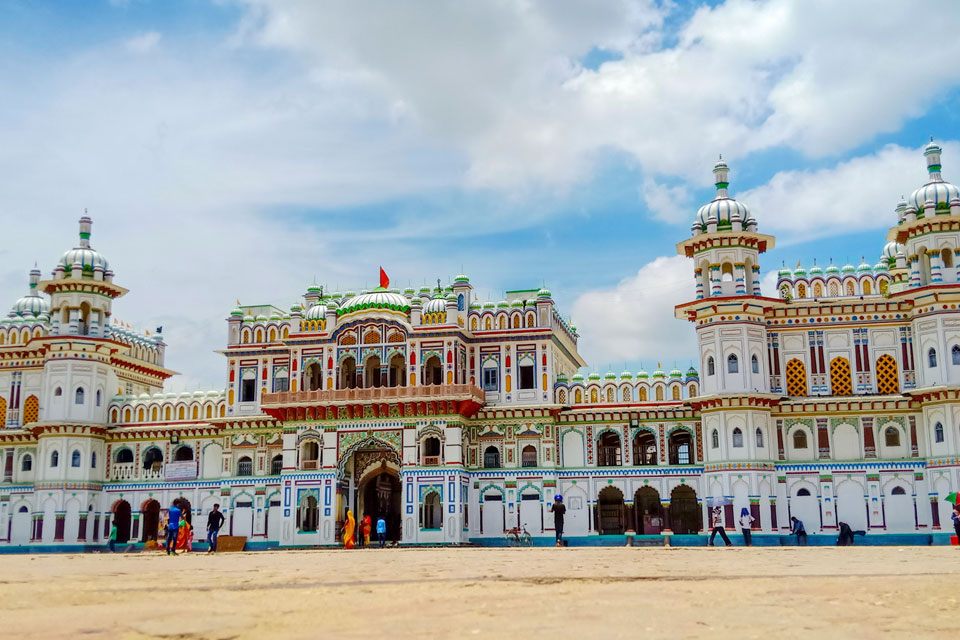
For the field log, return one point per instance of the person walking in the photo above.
(382, 531)
(799, 531)
(558, 509)
(717, 527)
(113, 537)
(349, 530)
(746, 524)
(214, 522)
(173, 527)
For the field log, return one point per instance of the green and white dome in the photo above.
(936, 189)
(33, 304)
(378, 299)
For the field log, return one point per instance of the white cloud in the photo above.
(501, 80)
(853, 195)
(668, 203)
(634, 320)
(143, 42)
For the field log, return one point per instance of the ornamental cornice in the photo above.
(56, 429)
(857, 404)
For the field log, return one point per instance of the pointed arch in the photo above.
(841, 383)
(888, 378)
(796, 378)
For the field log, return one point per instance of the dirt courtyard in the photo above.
(865, 592)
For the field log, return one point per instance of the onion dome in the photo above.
(261, 318)
(800, 272)
(378, 299)
(676, 373)
(314, 289)
(32, 304)
(642, 375)
(275, 317)
(891, 250)
(901, 209)
(723, 209)
(659, 373)
(936, 189)
(784, 272)
(864, 267)
(435, 305)
(626, 375)
(409, 292)
(248, 318)
(475, 304)
(516, 304)
(610, 375)
(316, 312)
(83, 254)
(577, 377)
(881, 267)
(503, 304)
(489, 305)
(848, 269)
(692, 373)
(461, 278)
(544, 293)
(832, 270)
(816, 270)
(593, 376)
(336, 295)
(425, 291)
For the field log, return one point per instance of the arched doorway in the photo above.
(311, 377)
(432, 371)
(610, 511)
(184, 505)
(397, 367)
(151, 519)
(121, 519)
(371, 372)
(348, 373)
(183, 454)
(380, 495)
(685, 516)
(646, 505)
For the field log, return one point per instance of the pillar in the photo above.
(739, 278)
(756, 279)
(714, 279)
(914, 271)
(698, 276)
(936, 266)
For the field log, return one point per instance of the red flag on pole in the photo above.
(384, 280)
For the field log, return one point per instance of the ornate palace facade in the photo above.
(457, 419)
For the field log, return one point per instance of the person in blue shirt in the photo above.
(173, 526)
(799, 531)
(382, 531)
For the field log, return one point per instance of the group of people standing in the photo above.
(359, 536)
(180, 531)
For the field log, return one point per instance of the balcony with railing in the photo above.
(128, 471)
(374, 394)
(431, 461)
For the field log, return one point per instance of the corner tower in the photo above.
(728, 310)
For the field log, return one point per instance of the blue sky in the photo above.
(239, 149)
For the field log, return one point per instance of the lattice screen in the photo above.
(840, 382)
(796, 378)
(887, 379)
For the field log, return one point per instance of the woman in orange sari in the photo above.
(367, 525)
(183, 535)
(349, 527)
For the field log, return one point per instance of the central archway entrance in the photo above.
(151, 519)
(380, 495)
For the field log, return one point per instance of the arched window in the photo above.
(644, 449)
(803, 492)
(888, 378)
(608, 450)
(93, 460)
(308, 514)
(431, 451)
(75, 458)
(245, 466)
(938, 433)
(26, 463)
(733, 365)
(528, 457)
(898, 491)
(737, 438)
(276, 465)
(891, 437)
(79, 396)
(759, 438)
(675, 393)
(491, 458)
(946, 256)
(124, 455)
(659, 393)
(58, 392)
(796, 378)
(715, 439)
(799, 439)
(710, 367)
(754, 364)
(99, 394)
(54, 459)
(932, 357)
(955, 354)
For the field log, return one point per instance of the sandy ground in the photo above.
(863, 592)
